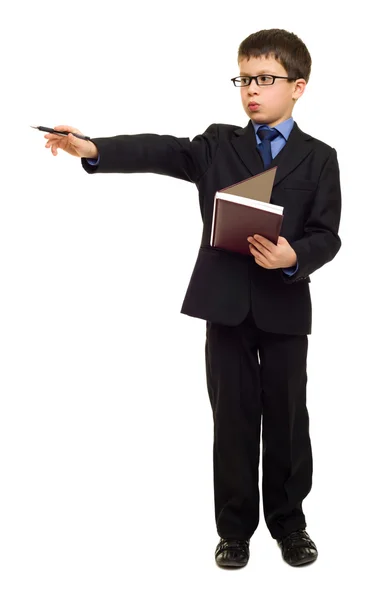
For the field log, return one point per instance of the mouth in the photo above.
(253, 105)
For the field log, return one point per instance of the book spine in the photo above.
(212, 240)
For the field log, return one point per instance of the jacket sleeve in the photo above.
(320, 242)
(160, 154)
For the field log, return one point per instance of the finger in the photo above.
(254, 251)
(262, 262)
(261, 249)
(73, 140)
(259, 245)
(264, 242)
(53, 137)
(255, 243)
(261, 238)
(259, 258)
(52, 143)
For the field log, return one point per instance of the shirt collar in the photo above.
(284, 128)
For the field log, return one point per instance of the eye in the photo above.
(244, 80)
(265, 78)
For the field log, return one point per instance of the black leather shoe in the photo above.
(232, 553)
(298, 549)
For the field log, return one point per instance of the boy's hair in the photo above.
(287, 48)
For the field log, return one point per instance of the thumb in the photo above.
(72, 138)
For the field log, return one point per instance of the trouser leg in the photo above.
(233, 383)
(286, 447)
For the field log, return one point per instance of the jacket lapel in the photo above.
(245, 144)
(292, 154)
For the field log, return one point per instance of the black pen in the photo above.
(49, 130)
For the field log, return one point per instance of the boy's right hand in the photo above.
(70, 143)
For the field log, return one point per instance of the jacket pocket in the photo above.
(300, 184)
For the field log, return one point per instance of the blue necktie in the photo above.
(266, 135)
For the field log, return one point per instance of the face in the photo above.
(269, 104)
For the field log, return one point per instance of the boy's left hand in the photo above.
(271, 256)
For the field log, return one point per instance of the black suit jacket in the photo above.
(225, 285)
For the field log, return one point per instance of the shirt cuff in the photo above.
(93, 162)
(291, 270)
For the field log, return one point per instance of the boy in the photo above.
(257, 307)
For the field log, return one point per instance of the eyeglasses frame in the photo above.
(256, 79)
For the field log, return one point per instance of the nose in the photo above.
(253, 87)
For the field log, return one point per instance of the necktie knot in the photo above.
(265, 133)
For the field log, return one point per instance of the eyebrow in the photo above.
(263, 73)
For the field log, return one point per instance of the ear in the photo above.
(298, 88)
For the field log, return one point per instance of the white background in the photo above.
(106, 427)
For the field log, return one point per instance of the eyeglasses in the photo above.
(259, 80)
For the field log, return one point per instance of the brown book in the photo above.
(243, 209)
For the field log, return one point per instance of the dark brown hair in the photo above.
(287, 48)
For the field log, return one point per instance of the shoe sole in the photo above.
(302, 563)
(230, 565)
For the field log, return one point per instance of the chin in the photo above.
(256, 117)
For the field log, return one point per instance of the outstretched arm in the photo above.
(152, 153)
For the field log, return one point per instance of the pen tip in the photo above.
(33, 126)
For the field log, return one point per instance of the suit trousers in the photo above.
(257, 381)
